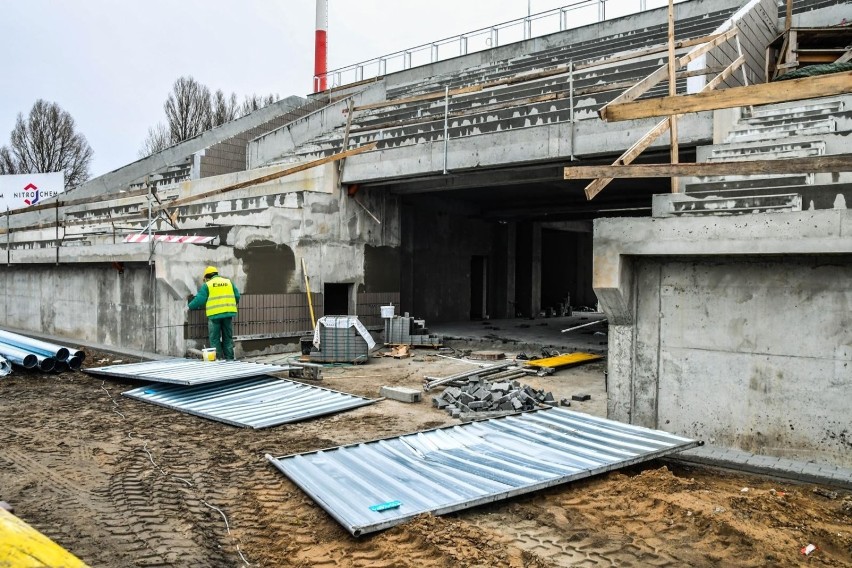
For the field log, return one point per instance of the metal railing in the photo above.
(581, 13)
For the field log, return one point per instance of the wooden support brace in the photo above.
(633, 152)
(765, 93)
(811, 164)
(661, 73)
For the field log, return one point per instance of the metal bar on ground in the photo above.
(450, 469)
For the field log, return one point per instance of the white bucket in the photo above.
(208, 354)
(387, 311)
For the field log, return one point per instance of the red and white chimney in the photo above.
(321, 47)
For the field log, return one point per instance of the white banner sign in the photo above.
(22, 190)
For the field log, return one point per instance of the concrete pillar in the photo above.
(503, 271)
(535, 270)
(528, 265)
(406, 261)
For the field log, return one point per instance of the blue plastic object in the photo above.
(386, 506)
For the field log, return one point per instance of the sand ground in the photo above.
(124, 483)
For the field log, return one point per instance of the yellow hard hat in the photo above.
(210, 270)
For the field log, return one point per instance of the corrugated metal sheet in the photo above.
(258, 402)
(455, 468)
(187, 371)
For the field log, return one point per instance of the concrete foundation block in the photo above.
(402, 394)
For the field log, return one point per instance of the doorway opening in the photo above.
(336, 299)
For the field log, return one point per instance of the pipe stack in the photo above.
(32, 353)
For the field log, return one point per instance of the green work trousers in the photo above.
(221, 334)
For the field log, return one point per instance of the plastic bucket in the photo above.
(387, 311)
(208, 354)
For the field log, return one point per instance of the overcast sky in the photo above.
(111, 63)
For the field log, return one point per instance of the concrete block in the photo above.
(581, 397)
(506, 406)
(402, 394)
(517, 404)
(481, 393)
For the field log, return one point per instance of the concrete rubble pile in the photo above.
(480, 395)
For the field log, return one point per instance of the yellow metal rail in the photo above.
(564, 360)
(21, 546)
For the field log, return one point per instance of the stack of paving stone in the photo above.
(481, 396)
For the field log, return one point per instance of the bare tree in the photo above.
(224, 109)
(47, 142)
(158, 139)
(188, 109)
(255, 102)
(191, 109)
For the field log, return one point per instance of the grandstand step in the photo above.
(750, 183)
(822, 127)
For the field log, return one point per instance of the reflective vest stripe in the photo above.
(220, 297)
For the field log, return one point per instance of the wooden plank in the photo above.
(673, 153)
(845, 57)
(81, 201)
(192, 198)
(765, 93)
(648, 82)
(274, 176)
(811, 164)
(627, 157)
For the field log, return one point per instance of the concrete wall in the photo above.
(116, 305)
(733, 330)
(264, 233)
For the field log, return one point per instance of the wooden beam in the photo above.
(633, 152)
(765, 93)
(673, 151)
(813, 164)
(191, 198)
(845, 57)
(273, 176)
(788, 17)
(655, 77)
(80, 201)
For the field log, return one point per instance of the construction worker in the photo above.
(219, 297)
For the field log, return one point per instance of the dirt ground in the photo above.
(124, 483)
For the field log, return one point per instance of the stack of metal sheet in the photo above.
(187, 371)
(32, 353)
(238, 393)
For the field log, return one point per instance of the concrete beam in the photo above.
(616, 241)
(521, 146)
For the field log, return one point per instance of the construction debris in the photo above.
(484, 396)
(405, 330)
(501, 371)
(398, 352)
(402, 394)
(487, 355)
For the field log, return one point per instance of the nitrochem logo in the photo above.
(32, 194)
